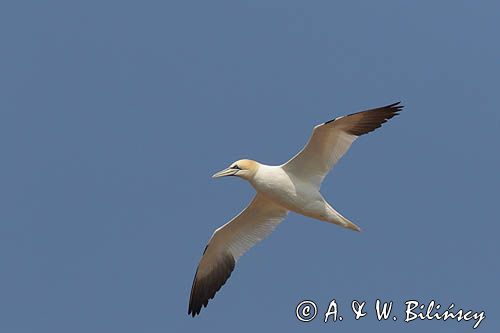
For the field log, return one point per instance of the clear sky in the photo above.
(115, 114)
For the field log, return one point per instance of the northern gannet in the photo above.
(293, 186)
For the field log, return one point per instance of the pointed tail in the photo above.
(340, 220)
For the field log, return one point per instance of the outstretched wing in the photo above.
(331, 140)
(227, 244)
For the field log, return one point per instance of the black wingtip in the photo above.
(393, 104)
(394, 108)
(396, 105)
(329, 121)
(205, 288)
(192, 313)
(369, 120)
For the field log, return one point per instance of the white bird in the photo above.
(293, 186)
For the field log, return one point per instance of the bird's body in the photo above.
(292, 186)
(277, 185)
(293, 193)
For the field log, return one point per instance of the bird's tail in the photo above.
(340, 220)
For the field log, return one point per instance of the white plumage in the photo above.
(293, 186)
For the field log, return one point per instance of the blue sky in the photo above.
(114, 115)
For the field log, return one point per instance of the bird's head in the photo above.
(245, 169)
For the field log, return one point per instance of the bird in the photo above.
(293, 186)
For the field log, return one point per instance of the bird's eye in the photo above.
(236, 167)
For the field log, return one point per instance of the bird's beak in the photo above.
(225, 172)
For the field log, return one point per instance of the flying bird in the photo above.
(293, 186)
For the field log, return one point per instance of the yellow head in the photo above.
(245, 169)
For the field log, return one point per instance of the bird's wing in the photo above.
(227, 244)
(331, 140)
